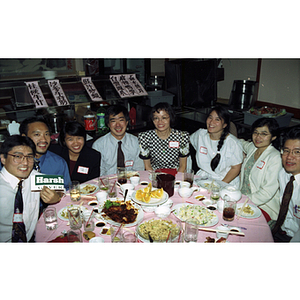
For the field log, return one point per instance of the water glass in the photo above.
(50, 218)
(74, 189)
(74, 215)
(112, 188)
(128, 237)
(74, 236)
(116, 234)
(103, 183)
(215, 194)
(88, 221)
(191, 231)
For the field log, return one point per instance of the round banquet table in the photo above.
(257, 229)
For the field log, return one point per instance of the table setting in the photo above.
(149, 209)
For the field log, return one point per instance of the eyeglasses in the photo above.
(18, 158)
(164, 119)
(262, 134)
(294, 152)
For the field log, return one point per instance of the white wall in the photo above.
(279, 79)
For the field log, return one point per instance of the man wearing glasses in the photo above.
(287, 227)
(17, 156)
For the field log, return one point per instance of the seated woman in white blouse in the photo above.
(261, 167)
(219, 154)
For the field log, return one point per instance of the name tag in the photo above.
(128, 163)
(203, 150)
(297, 211)
(83, 170)
(17, 218)
(261, 164)
(173, 144)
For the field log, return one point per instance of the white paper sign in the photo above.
(91, 89)
(36, 94)
(127, 85)
(58, 92)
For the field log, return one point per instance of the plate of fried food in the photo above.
(119, 212)
(88, 188)
(250, 211)
(149, 196)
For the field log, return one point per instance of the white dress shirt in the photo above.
(292, 221)
(31, 201)
(107, 145)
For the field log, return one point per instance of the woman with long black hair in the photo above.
(219, 154)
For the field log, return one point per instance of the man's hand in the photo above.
(50, 196)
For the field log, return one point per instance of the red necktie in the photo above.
(286, 198)
(120, 157)
(18, 231)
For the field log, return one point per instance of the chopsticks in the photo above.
(222, 231)
(238, 215)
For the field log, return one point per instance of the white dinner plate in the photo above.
(153, 201)
(139, 218)
(256, 211)
(62, 212)
(206, 184)
(213, 220)
(82, 186)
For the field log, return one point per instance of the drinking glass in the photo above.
(215, 194)
(74, 235)
(128, 237)
(229, 209)
(103, 183)
(189, 176)
(75, 193)
(191, 231)
(74, 215)
(88, 221)
(112, 188)
(116, 233)
(50, 218)
(121, 173)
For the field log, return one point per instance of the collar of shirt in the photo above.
(297, 179)
(123, 140)
(11, 179)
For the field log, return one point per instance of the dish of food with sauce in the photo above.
(119, 212)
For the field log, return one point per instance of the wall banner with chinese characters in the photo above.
(127, 85)
(36, 94)
(58, 92)
(91, 89)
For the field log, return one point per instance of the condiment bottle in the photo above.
(101, 118)
(89, 120)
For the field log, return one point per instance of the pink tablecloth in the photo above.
(257, 229)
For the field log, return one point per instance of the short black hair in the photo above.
(16, 140)
(73, 128)
(292, 134)
(167, 108)
(270, 122)
(24, 125)
(115, 110)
